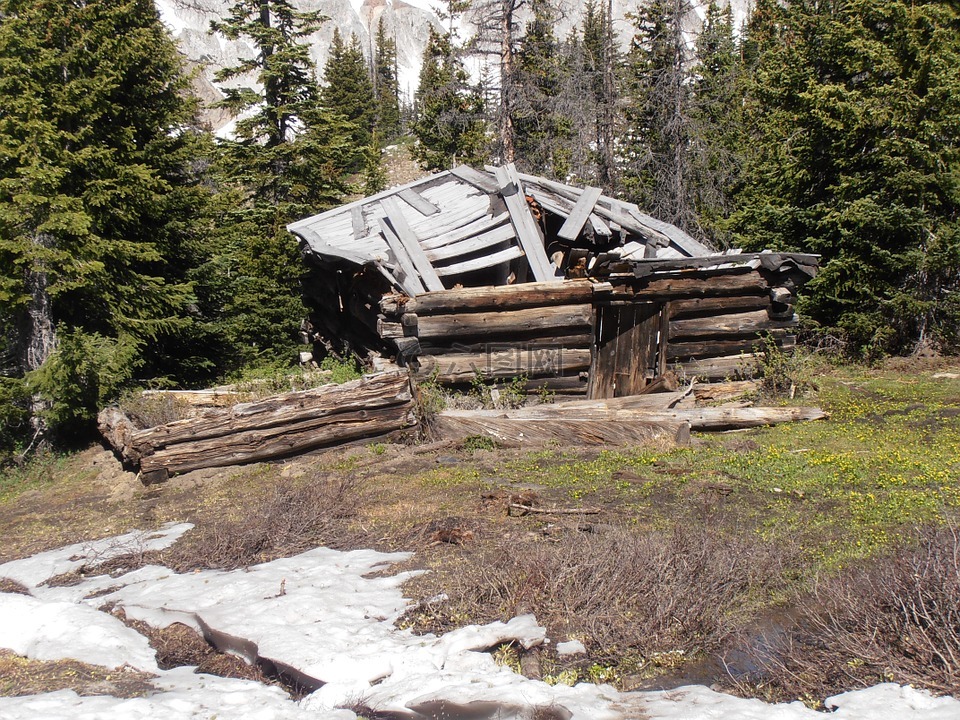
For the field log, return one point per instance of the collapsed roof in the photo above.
(467, 227)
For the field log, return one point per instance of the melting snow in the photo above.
(331, 616)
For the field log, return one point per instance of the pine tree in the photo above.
(289, 159)
(386, 85)
(542, 131)
(657, 171)
(856, 105)
(97, 197)
(601, 60)
(716, 122)
(347, 88)
(449, 124)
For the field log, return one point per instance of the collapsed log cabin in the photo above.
(497, 274)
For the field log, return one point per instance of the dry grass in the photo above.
(625, 593)
(896, 619)
(20, 676)
(294, 517)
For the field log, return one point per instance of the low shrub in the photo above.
(896, 619)
(296, 516)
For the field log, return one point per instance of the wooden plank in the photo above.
(466, 231)
(356, 219)
(637, 349)
(527, 231)
(565, 318)
(480, 263)
(411, 282)
(602, 369)
(687, 244)
(497, 236)
(700, 307)
(581, 212)
(418, 201)
(687, 351)
(476, 178)
(499, 297)
(411, 243)
(458, 368)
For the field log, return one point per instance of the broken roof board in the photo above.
(454, 215)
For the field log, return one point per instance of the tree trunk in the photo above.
(37, 336)
(507, 132)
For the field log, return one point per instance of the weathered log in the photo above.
(701, 307)
(568, 319)
(456, 368)
(546, 338)
(725, 325)
(276, 442)
(504, 297)
(371, 392)
(685, 351)
(574, 431)
(728, 367)
(117, 429)
(723, 392)
(717, 418)
(698, 284)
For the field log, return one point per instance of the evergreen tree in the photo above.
(449, 127)
(386, 85)
(601, 59)
(717, 122)
(97, 200)
(856, 105)
(348, 90)
(542, 131)
(657, 172)
(288, 159)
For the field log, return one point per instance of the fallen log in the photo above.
(530, 510)
(577, 430)
(715, 418)
(277, 426)
(723, 392)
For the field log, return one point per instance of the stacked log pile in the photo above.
(276, 427)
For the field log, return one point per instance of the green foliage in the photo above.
(386, 85)
(856, 110)
(347, 88)
(449, 124)
(14, 416)
(342, 369)
(86, 372)
(289, 159)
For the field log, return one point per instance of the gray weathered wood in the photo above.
(527, 231)
(479, 263)
(732, 324)
(489, 239)
(479, 180)
(411, 282)
(466, 231)
(499, 297)
(581, 212)
(456, 368)
(356, 220)
(418, 201)
(411, 243)
(559, 319)
(572, 432)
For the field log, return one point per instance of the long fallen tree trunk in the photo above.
(277, 426)
(609, 423)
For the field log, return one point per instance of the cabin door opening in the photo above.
(630, 348)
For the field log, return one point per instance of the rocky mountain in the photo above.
(409, 23)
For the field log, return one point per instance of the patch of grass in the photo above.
(40, 472)
(20, 676)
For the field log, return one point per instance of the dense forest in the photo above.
(138, 250)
